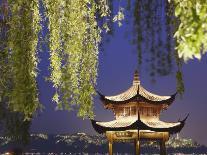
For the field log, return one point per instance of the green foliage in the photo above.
(54, 14)
(191, 33)
(152, 37)
(119, 17)
(12, 123)
(74, 39)
(4, 54)
(20, 55)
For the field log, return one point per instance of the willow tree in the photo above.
(74, 36)
(190, 30)
(169, 31)
(75, 31)
(13, 119)
(185, 21)
(154, 26)
(22, 45)
(74, 41)
(20, 27)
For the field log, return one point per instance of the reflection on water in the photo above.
(96, 154)
(19, 152)
(44, 144)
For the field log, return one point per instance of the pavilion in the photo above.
(137, 117)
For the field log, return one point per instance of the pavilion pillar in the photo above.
(109, 136)
(163, 150)
(137, 143)
(137, 147)
(110, 148)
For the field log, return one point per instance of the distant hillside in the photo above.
(81, 142)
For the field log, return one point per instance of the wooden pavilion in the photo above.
(137, 117)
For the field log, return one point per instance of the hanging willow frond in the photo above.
(74, 41)
(179, 75)
(4, 54)
(89, 60)
(179, 83)
(22, 45)
(152, 36)
(55, 15)
(138, 29)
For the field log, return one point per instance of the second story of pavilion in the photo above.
(137, 101)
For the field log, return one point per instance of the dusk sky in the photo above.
(117, 64)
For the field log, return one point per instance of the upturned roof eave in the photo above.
(139, 125)
(142, 98)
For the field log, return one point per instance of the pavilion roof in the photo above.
(137, 92)
(134, 123)
(127, 121)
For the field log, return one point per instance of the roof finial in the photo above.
(136, 80)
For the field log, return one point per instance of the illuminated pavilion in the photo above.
(137, 117)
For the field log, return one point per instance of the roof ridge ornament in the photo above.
(136, 80)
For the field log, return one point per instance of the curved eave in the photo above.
(137, 97)
(139, 125)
